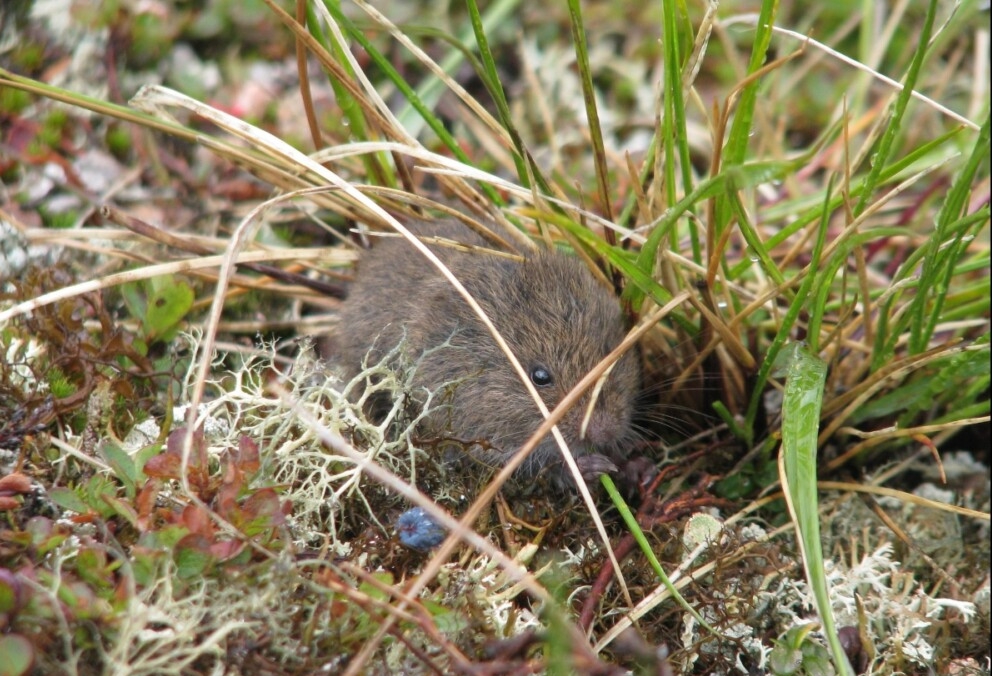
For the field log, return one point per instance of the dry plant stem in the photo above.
(902, 496)
(888, 434)
(751, 19)
(304, 74)
(901, 466)
(852, 401)
(419, 616)
(379, 113)
(79, 240)
(156, 234)
(79, 455)
(125, 179)
(728, 338)
(176, 268)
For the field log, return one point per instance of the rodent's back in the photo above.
(556, 317)
(396, 290)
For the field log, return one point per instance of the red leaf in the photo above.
(197, 521)
(247, 455)
(163, 466)
(264, 502)
(8, 503)
(198, 449)
(15, 483)
(144, 502)
(226, 550)
(226, 500)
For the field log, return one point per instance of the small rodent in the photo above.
(559, 320)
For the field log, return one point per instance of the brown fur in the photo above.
(549, 308)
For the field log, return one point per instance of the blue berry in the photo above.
(418, 530)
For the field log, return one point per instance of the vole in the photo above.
(559, 320)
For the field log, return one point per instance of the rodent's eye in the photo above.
(540, 376)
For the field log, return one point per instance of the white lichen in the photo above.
(322, 485)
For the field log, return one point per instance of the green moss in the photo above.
(60, 220)
(13, 101)
(59, 385)
(151, 38)
(119, 141)
(27, 57)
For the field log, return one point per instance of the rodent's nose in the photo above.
(604, 429)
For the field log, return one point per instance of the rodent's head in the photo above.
(560, 322)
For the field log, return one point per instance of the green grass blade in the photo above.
(893, 172)
(796, 307)
(592, 112)
(431, 90)
(377, 165)
(730, 180)
(946, 246)
(674, 135)
(491, 78)
(894, 124)
(394, 76)
(735, 149)
(635, 529)
(803, 399)
(740, 128)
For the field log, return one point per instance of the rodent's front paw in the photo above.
(591, 466)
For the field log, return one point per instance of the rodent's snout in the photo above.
(604, 428)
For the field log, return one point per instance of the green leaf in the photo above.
(947, 245)
(801, 407)
(374, 592)
(165, 538)
(945, 378)
(167, 306)
(8, 594)
(91, 566)
(143, 455)
(134, 296)
(16, 655)
(785, 660)
(94, 493)
(787, 657)
(192, 561)
(448, 621)
(123, 509)
(66, 498)
(122, 465)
